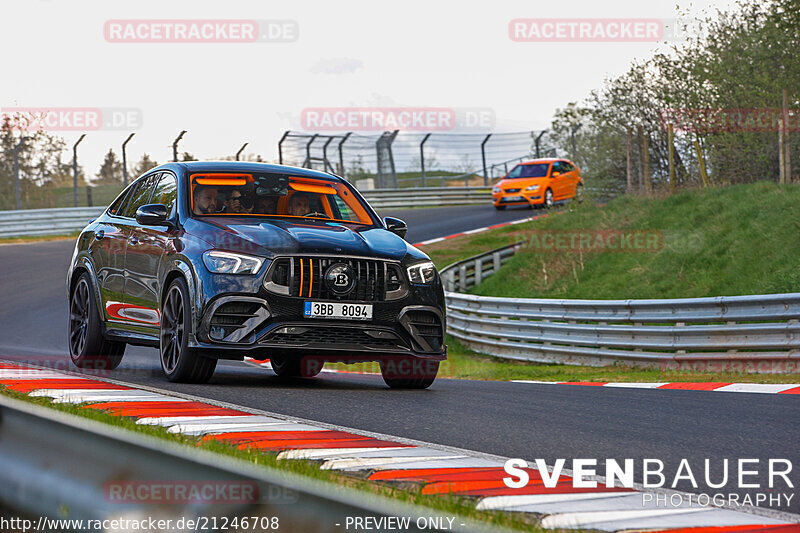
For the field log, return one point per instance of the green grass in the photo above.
(445, 504)
(39, 238)
(713, 242)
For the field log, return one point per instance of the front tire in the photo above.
(180, 362)
(87, 346)
(408, 372)
(548, 199)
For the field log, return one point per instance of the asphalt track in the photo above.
(509, 419)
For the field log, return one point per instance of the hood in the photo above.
(274, 237)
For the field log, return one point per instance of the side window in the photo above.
(341, 210)
(568, 167)
(557, 167)
(166, 192)
(140, 195)
(117, 205)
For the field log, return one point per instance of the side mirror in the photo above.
(396, 226)
(555, 174)
(152, 215)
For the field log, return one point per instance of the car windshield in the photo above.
(538, 170)
(274, 195)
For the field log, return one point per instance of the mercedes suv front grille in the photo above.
(304, 277)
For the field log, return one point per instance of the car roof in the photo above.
(191, 167)
(542, 160)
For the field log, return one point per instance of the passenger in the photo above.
(300, 204)
(204, 200)
(266, 205)
(236, 202)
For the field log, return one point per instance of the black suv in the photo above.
(210, 260)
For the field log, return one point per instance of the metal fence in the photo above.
(426, 158)
(32, 222)
(749, 333)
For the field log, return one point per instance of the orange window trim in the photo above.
(307, 187)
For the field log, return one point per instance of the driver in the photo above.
(204, 199)
(300, 204)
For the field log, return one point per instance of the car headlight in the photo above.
(231, 263)
(532, 188)
(422, 272)
(495, 189)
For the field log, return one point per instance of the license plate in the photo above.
(338, 310)
(513, 198)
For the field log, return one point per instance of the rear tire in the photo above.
(295, 367)
(408, 372)
(500, 207)
(87, 346)
(180, 362)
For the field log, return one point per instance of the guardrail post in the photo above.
(478, 271)
(483, 157)
(497, 261)
(341, 154)
(451, 281)
(280, 146)
(175, 146)
(239, 153)
(422, 157)
(536, 142)
(17, 187)
(462, 277)
(75, 170)
(308, 151)
(125, 160)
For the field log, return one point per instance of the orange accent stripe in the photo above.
(301, 278)
(310, 276)
(220, 181)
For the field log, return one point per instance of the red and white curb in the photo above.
(478, 230)
(759, 388)
(435, 470)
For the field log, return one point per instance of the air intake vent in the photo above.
(425, 328)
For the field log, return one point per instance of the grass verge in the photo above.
(712, 242)
(445, 504)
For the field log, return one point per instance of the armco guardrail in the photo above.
(759, 333)
(101, 472)
(61, 221)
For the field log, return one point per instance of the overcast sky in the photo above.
(432, 53)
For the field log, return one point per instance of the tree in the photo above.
(143, 165)
(110, 171)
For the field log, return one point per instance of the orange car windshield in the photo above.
(274, 195)
(538, 170)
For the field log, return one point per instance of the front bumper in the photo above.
(236, 325)
(531, 198)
